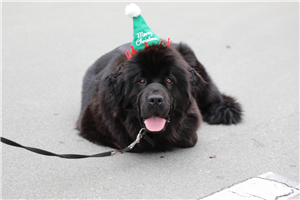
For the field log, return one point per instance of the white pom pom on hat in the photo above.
(132, 10)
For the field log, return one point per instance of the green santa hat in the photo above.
(143, 36)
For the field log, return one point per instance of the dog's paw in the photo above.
(226, 112)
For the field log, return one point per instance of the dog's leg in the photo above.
(186, 134)
(225, 111)
(216, 108)
(88, 130)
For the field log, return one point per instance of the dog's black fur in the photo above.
(115, 98)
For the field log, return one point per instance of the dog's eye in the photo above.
(142, 81)
(168, 80)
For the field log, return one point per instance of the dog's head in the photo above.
(154, 85)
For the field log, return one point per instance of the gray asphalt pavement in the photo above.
(251, 50)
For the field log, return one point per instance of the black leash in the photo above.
(141, 134)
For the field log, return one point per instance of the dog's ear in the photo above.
(197, 82)
(115, 82)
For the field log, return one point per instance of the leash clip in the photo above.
(138, 138)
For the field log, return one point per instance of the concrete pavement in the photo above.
(265, 186)
(251, 50)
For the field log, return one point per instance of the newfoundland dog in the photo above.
(165, 90)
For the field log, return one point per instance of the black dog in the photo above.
(163, 89)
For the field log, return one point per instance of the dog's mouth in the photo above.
(156, 123)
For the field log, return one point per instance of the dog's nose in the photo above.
(155, 99)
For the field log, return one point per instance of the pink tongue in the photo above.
(155, 124)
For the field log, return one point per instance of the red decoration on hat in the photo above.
(127, 55)
(169, 42)
(133, 51)
(146, 45)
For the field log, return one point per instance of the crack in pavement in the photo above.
(279, 182)
(285, 195)
(251, 195)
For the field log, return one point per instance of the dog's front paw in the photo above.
(226, 112)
